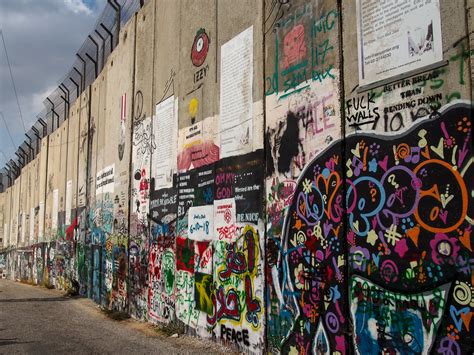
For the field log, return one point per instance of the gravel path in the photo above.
(35, 320)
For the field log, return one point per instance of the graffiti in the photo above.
(365, 110)
(396, 106)
(198, 155)
(407, 212)
(138, 105)
(2, 262)
(301, 133)
(185, 298)
(185, 254)
(117, 258)
(346, 229)
(294, 47)
(200, 47)
(161, 296)
(201, 74)
(143, 146)
(390, 320)
(278, 9)
(122, 131)
(303, 44)
(138, 277)
(169, 86)
(143, 137)
(202, 292)
(237, 299)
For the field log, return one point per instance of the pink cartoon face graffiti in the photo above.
(294, 47)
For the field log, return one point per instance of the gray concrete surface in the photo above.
(35, 320)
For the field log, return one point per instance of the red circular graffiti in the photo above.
(227, 216)
(200, 47)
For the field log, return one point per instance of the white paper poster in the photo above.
(23, 226)
(236, 110)
(68, 202)
(32, 224)
(41, 221)
(225, 228)
(6, 236)
(200, 222)
(396, 37)
(105, 180)
(54, 213)
(165, 126)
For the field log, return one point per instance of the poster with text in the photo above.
(395, 37)
(105, 181)
(54, 213)
(32, 224)
(23, 226)
(6, 236)
(236, 110)
(41, 221)
(68, 202)
(225, 228)
(200, 222)
(165, 130)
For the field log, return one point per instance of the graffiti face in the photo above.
(408, 236)
(294, 49)
(134, 256)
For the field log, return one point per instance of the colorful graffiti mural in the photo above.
(405, 204)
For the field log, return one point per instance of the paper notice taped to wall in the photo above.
(68, 202)
(225, 228)
(54, 213)
(23, 226)
(395, 37)
(236, 103)
(165, 127)
(41, 221)
(32, 224)
(105, 181)
(200, 222)
(6, 235)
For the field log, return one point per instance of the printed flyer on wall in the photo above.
(395, 37)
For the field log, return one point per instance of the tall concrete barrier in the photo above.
(280, 176)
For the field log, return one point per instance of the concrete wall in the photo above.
(142, 148)
(302, 88)
(333, 218)
(3, 241)
(42, 188)
(384, 221)
(6, 217)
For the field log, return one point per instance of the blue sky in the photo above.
(42, 37)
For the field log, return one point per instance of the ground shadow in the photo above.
(46, 299)
(12, 341)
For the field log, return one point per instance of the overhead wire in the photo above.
(13, 81)
(8, 130)
(4, 156)
(108, 18)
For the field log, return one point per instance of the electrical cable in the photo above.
(13, 81)
(8, 131)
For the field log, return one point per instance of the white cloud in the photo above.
(77, 6)
(36, 100)
(42, 37)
